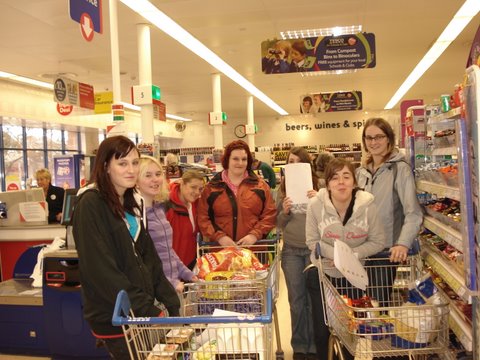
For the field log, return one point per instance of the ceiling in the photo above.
(38, 37)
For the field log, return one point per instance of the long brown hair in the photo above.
(387, 129)
(114, 147)
(304, 156)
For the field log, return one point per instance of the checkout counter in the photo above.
(46, 321)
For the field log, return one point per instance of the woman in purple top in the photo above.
(153, 187)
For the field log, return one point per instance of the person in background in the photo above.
(236, 207)
(266, 171)
(276, 59)
(181, 212)
(173, 171)
(339, 212)
(295, 257)
(319, 102)
(306, 106)
(53, 195)
(389, 178)
(153, 187)
(114, 248)
(299, 54)
(321, 163)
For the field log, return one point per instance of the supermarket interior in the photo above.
(189, 77)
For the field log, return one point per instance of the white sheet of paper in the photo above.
(348, 264)
(298, 180)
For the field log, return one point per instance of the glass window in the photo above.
(14, 168)
(12, 136)
(71, 140)
(35, 161)
(34, 138)
(54, 139)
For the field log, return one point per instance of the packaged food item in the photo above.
(163, 352)
(179, 336)
(207, 351)
(228, 259)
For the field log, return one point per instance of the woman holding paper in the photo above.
(236, 207)
(296, 255)
(339, 212)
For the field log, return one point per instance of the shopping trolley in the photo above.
(391, 328)
(221, 335)
(267, 252)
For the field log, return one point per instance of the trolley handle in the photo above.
(414, 250)
(122, 309)
(203, 243)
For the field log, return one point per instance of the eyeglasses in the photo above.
(376, 138)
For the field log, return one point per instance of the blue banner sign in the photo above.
(323, 53)
(92, 8)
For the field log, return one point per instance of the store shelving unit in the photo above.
(457, 278)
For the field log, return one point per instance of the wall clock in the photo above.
(240, 131)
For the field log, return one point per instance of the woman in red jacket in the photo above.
(236, 207)
(181, 212)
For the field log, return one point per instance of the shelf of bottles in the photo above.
(202, 150)
(352, 152)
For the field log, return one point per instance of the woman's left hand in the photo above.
(398, 253)
(311, 193)
(247, 240)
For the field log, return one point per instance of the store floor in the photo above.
(284, 321)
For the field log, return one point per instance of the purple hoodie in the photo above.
(161, 232)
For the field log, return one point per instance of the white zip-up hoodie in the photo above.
(363, 232)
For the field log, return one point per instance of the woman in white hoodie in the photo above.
(339, 212)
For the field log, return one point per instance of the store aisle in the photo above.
(284, 323)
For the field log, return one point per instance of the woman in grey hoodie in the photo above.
(339, 212)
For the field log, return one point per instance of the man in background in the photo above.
(266, 172)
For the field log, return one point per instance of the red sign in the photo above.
(64, 110)
(12, 187)
(159, 110)
(86, 27)
(87, 96)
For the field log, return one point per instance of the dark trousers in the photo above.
(117, 348)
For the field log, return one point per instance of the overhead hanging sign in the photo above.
(88, 13)
(70, 92)
(329, 102)
(322, 53)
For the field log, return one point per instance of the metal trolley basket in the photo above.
(392, 329)
(219, 336)
(267, 252)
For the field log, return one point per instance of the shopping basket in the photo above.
(266, 251)
(236, 295)
(222, 335)
(390, 329)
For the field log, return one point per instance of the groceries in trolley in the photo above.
(238, 260)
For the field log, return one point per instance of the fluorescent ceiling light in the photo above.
(25, 80)
(461, 19)
(335, 31)
(170, 27)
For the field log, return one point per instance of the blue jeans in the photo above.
(294, 260)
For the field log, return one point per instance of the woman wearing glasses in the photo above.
(389, 178)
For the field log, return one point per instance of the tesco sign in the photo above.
(64, 110)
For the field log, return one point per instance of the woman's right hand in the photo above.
(226, 241)
(287, 205)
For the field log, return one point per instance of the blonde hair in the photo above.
(145, 161)
(44, 173)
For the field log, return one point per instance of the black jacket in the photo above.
(54, 199)
(108, 264)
